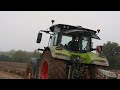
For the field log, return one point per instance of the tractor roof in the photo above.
(69, 27)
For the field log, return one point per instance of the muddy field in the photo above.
(12, 70)
(7, 75)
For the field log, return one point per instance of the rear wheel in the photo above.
(51, 68)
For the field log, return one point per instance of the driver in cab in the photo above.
(73, 45)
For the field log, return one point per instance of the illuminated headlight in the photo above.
(100, 62)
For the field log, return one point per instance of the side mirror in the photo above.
(39, 37)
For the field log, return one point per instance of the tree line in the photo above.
(18, 56)
(112, 52)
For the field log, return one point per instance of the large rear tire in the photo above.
(51, 68)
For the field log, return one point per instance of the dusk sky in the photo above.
(19, 29)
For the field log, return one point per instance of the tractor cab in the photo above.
(73, 38)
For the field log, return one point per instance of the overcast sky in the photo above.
(18, 29)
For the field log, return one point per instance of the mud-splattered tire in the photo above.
(51, 68)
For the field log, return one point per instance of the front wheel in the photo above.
(51, 68)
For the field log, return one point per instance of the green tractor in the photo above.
(69, 55)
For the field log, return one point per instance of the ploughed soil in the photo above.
(16, 70)
(12, 70)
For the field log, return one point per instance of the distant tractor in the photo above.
(69, 55)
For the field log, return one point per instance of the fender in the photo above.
(59, 54)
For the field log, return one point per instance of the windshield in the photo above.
(75, 43)
(66, 40)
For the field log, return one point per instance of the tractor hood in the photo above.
(87, 58)
(91, 58)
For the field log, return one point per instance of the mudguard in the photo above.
(60, 54)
